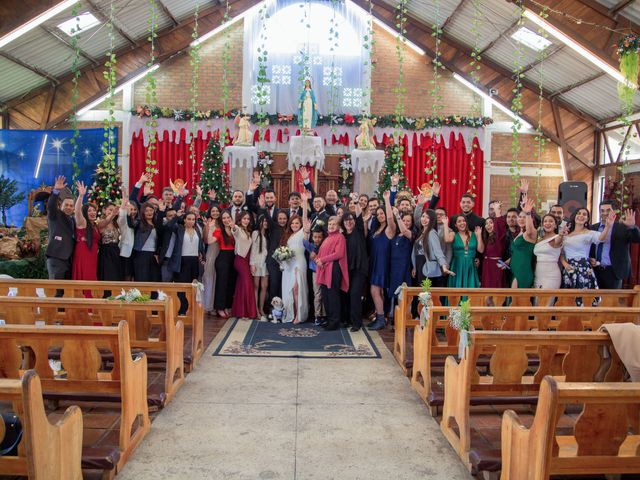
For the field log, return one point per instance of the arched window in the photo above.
(320, 40)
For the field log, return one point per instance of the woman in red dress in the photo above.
(244, 299)
(85, 253)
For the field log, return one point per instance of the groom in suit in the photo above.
(61, 234)
(611, 259)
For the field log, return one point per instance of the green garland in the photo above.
(151, 94)
(400, 89)
(265, 163)
(382, 121)
(333, 46)
(346, 176)
(194, 61)
(627, 49)
(368, 65)
(475, 66)
(539, 139)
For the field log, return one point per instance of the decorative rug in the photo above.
(250, 338)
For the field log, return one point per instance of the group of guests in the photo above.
(343, 256)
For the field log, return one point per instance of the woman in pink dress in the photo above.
(244, 299)
(85, 253)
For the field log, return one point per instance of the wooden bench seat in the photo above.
(193, 318)
(152, 326)
(604, 440)
(429, 350)
(573, 356)
(46, 451)
(404, 321)
(25, 347)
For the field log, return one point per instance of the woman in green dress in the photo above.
(465, 245)
(521, 262)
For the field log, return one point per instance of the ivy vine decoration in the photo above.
(75, 93)
(627, 49)
(265, 164)
(381, 121)
(400, 89)
(436, 94)
(226, 62)
(539, 139)
(262, 87)
(334, 35)
(150, 91)
(516, 108)
(475, 66)
(368, 43)
(346, 176)
(194, 61)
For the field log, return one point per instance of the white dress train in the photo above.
(209, 275)
(295, 271)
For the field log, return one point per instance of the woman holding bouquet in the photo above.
(294, 275)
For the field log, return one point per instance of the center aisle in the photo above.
(288, 418)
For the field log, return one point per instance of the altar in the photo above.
(305, 150)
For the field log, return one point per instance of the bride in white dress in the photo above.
(294, 276)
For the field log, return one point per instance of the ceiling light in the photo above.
(78, 24)
(578, 48)
(531, 39)
(33, 23)
(493, 102)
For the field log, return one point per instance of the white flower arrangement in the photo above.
(425, 300)
(282, 254)
(131, 295)
(460, 319)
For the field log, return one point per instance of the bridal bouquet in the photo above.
(282, 254)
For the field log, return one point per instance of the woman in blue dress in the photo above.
(400, 257)
(381, 238)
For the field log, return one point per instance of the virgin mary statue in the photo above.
(307, 107)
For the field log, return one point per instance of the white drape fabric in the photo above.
(299, 43)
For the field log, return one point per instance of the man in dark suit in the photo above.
(467, 202)
(611, 259)
(61, 234)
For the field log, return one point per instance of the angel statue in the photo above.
(365, 139)
(307, 107)
(244, 136)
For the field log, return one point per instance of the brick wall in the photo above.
(173, 79)
(501, 150)
(418, 73)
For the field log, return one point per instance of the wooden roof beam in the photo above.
(584, 81)
(95, 10)
(36, 70)
(68, 44)
(512, 28)
(453, 14)
(168, 13)
(621, 5)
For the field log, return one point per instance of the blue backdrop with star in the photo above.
(35, 157)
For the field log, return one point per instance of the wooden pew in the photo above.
(404, 322)
(24, 347)
(600, 444)
(46, 451)
(193, 319)
(150, 332)
(429, 351)
(510, 381)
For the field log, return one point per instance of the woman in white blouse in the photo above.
(578, 272)
(547, 251)
(244, 301)
(258, 263)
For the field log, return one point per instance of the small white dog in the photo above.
(277, 312)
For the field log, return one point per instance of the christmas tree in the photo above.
(393, 163)
(212, 173)
(107, 185)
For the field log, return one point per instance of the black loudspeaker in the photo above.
(572, 195)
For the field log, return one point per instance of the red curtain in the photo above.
(298, 183)
(453, 168)
(172, 158)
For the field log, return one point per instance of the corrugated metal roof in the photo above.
(598, 98)
(554, 70)
(428, 10)
(40, 49)
(631, 11)
(182, 9)
(16, 80)
(504, 53)
(497, 16)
